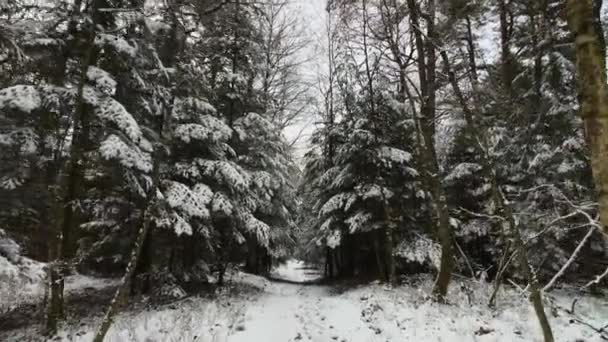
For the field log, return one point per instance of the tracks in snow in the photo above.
(290, 312)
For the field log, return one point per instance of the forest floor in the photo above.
(255, 309)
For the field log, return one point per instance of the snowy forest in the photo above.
(303, 170)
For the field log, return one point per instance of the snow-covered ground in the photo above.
(374, 312)
(23, 283)
(277, 312)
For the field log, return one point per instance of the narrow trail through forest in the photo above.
(288, 311)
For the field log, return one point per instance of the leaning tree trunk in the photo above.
(524, 262)
(125, 285)
(593, 91)
(151, 209)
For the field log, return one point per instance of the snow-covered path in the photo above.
(292, 312)
(289, 312)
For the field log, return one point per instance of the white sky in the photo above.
(312, 14)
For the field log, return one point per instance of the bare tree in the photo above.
(285, 90)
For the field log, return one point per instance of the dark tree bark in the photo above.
(506, 65)
(426, 58)
(69, 179)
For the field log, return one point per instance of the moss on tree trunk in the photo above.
(593, 93)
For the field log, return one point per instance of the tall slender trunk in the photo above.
(524, 261)
(498, 277)
(431, 70)
(329, 264)
(390, 258)
(426, 57)
(539, 32)
(378, 254)
(471, 52)
(506, 65)
(69, 180)
(385, 259)
(583, 20)
(140, 283)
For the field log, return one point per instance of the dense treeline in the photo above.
(144, 139)
(440, 153)
(147, 135)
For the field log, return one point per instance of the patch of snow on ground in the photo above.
(25, 283)
(19, 282)
(193, 319)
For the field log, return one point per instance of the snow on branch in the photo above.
(421, 250)
(102, 79)
(191, 203)
(255, 124)
(335, 203)
(209, 130)
(111, 111)
(394, 155)
(221, 205)
(358, 222)
(185, 108)
(226, 173)
(374, 191)
(461, 171)
(115, 148)
(24, 98)
(180, 225)
(334, 239)
(117, 43)
(255, 226)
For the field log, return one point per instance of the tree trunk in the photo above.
(522, 254)
(73, 173)
(502, 265)
(221, 273)
(378, 254)
(506, 65)
(390, 259)
(593, 92)
(426, 72)
(252, 256)
(55, 309)
(444, 233)
(123, 289)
